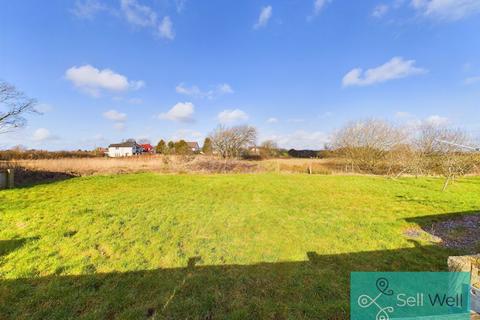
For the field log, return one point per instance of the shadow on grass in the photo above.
(317, 288)
(29, 178)
(7, 246)
(426, 221)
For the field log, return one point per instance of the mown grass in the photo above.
(260, 246)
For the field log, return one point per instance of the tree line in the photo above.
(181, 147)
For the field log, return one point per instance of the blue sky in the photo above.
(104, 71)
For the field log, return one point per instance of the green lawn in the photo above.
(266, 246)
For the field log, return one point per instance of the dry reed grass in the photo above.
(162, 164)
(312, 166)
(179, 164)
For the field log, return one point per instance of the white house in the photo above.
(124, 149)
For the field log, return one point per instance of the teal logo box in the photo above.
(409, 295)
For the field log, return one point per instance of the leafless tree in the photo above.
(229, 142)
(443, 150)
(402, 159)
(367, 143)
(268, 149)
(13, 107)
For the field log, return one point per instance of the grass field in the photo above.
(253, 246)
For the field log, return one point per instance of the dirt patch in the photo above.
(458, 233)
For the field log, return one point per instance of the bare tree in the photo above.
(402, 159)
(443, 150)
(367, 143)
(13, 107)
(269, 149)
(229, 142)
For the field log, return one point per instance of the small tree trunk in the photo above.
(445, 185)
(400, 173)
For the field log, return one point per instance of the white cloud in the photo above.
(133, 12)
(411, 121)
(93, 80)
(195, 91)
(143, 16)
(436, 120)
(182, 111)
(380, 10)
(87, 9)
(189, 91)
(472, 80)
(165, 29)
(137, 84)
(301, 140)
(396, 68)
(137, 14)
(447, 9)
(42, 134)
(118, 118)
(264, 17)
(180, 4)
(272, 120)
(114, 115)
(318, 5)
(229, 116)
(225, 88)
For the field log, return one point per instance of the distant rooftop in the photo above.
(125, 144)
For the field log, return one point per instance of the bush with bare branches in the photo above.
(445, 151)
(376, 146)
(230, 142)
(366, 144)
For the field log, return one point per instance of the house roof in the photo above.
(147, 146)
(193, 144)
(126, 144)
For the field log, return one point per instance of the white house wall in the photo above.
(120, 152)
